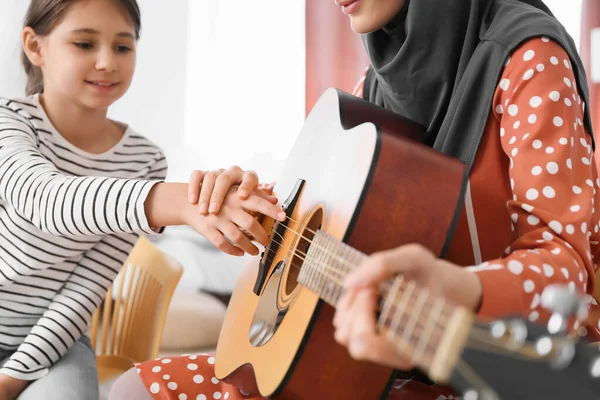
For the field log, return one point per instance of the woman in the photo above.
(499, 85)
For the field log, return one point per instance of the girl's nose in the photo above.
(106, 61)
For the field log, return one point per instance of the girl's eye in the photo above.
(123, 49)
(83, 45)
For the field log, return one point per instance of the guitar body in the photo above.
(358, 173)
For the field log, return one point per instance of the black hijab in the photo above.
(438, 62)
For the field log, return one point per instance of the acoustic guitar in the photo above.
(359, 181)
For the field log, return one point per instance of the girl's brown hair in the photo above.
(43, 16)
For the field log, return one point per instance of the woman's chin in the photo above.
(362, 26)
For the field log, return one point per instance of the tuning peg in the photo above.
(564, 303)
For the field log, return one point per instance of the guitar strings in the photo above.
(421, 351)
(480, 335)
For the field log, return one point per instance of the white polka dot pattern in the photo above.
(553, 180)
(184, 378)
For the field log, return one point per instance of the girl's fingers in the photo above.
(208, 185)
(251, 226)
(248, 185)
(218, 240)
(265, 207)
(237, 237)
(194, 185)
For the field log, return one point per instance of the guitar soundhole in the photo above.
(280, 291)
(306, 231)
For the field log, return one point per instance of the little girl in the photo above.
(76, 190)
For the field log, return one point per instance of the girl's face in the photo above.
(90, 56)
(370, 15)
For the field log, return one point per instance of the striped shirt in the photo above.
(68, 220)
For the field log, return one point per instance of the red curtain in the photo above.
(590, 19)
(335, 55)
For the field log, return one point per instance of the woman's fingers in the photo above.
(343, 318)
(386, 264)
(359, 332)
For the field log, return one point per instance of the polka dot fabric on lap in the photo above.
(186, 377)
(192, 377)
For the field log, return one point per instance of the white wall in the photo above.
(154, 105)
(246, 83)
(569, 13)
(12, 77)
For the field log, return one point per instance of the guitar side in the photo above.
(397, 191)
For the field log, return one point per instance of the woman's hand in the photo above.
(11, 388)
(209, 189)
(355, 318)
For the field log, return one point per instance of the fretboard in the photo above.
(414, 320)
(327, 263)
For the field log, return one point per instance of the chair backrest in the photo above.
(128, 326)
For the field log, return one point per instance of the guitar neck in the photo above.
(327, 263)
(422, 326)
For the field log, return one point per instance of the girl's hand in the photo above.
(355, 318)
(229, 229)
(210, 188)
(11, 388)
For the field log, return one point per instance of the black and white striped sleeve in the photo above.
(158, 170)
(66, 205)
(71, 309)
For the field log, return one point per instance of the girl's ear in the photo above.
(32, 46)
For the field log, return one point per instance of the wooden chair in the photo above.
(128, 327)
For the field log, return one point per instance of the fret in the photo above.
(329, 267)
(356, 256)
(395, 323)
(337, 289)
(347, 254)
(312, 255)
(416, 313)
(341, 264)
(327, 263)
(321, 264)
(432, 321)
(388, 301)
(307, 268)
(325, 272)
(335, 268)
(344, 265)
